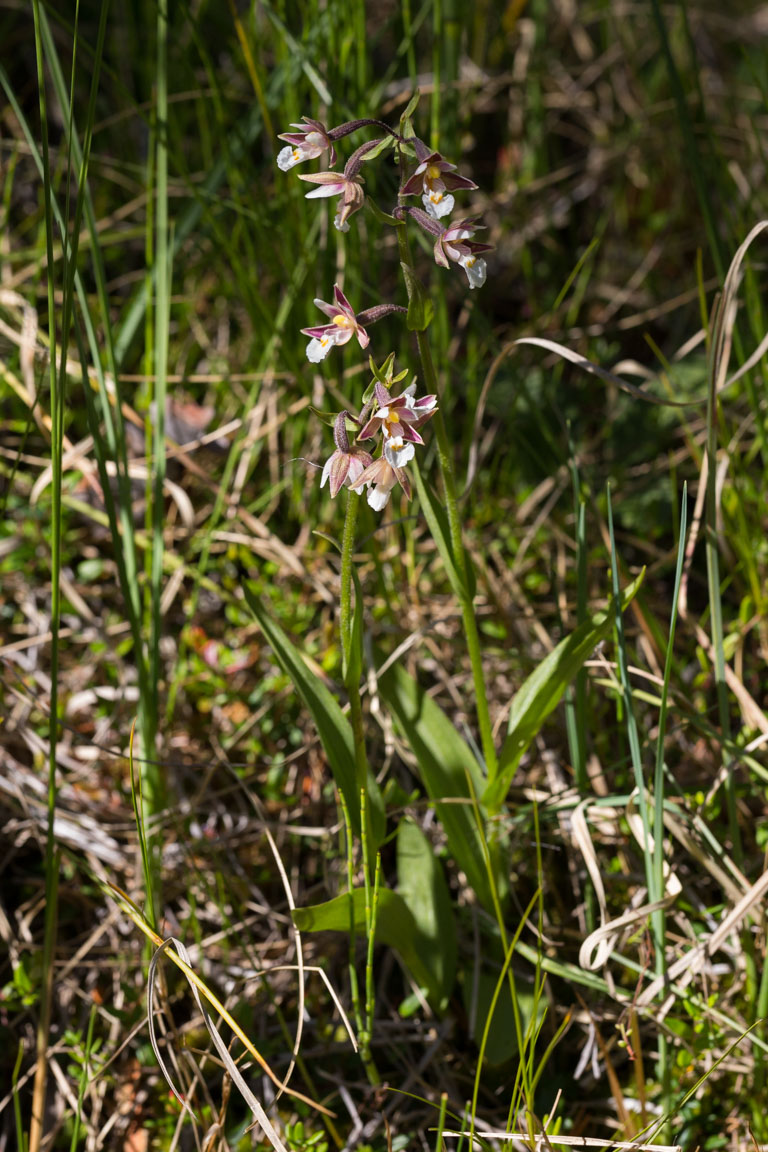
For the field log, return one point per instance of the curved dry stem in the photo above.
(199, 986)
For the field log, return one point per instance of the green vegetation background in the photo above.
(620, 156)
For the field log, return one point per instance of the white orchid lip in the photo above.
(438, 204)
(288, 157)
(398, 452)
(475, 269)
(378, 497)
(317, 350)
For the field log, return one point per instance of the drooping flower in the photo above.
(380, 478)
(313, 138)
(338, 184)
(346, 465)
(348, 185)
(454, 243)
(310, 141)
(344, 325)
(435, 178)
(398, 420)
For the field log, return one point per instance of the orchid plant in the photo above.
(376, 447)
(395, 420)
(375, 453)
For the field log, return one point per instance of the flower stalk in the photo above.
(350, 664)
(454, 522)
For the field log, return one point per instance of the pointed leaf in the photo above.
(395, 926)
(383, 144)
(420, 307)
(411, 106)
(423, 887)
(382, 216)
(330, 418)
(543, 689)
(333, 728)
(450, 774)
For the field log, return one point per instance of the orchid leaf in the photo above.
(395, 927)
(383, 144)
(406, 120)
(411, 106)
(330, 418)
(333, 728)
(382, 216)
(420, 307)
(544, 688)
(423, 887)
(381, 373)
(451, 776)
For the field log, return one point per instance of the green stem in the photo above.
(457, 546)
(350, 665)
(347, 549)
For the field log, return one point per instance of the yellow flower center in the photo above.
(432, 173)
(390, 422)
(343, 321)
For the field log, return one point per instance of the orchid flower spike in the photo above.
(346, 465)
(435, 178)
(311, 140)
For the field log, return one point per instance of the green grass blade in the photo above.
(658, 918)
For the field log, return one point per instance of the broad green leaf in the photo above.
(421, 883)
(330, 419)
(333, 728)
(395, 926)
(406, 120)
(449, 772)
(420, 307)
(381, 373)
(543, 689)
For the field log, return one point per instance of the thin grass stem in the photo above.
(658, 918)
